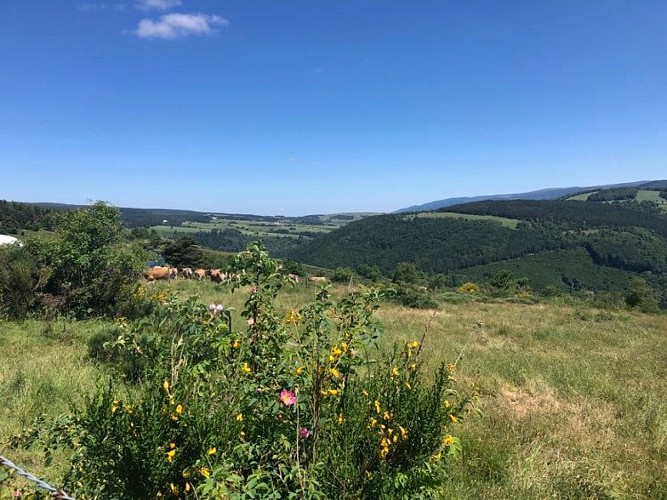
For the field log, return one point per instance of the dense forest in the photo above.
(15, 216)
(556, 244)
(574, 214)
(233, 240)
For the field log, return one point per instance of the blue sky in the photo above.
(295, 107)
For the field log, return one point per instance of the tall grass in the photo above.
(573, 397)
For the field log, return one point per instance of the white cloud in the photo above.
(157, 4)
(170, 26)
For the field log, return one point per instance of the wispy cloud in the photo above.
(157, 4)
(91, 6)
(170, 26)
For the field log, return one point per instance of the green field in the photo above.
(573, 397)
(291, 227)
(511, 223)
(642, 195)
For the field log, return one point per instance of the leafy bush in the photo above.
(21, 280)
(342, 275)
(414, 297)
(92, 268)
(290, 404)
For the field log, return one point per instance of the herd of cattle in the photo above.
(168, 273)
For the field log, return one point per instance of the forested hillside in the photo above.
(15, 216)
(561, 244)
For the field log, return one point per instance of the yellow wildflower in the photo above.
(174, 488)
(451, 367)
(414, 344)
(336, 351)
(165, 386)
(334, 372)
(395, 438)
(242, 435)
(236, 344)
(212, 451)
(114, 406)
(298, 370)
(171, 454)
(179, 409)
(386, 415)
(187, 487)
(448, 440)
(344, 346)
(453, 419)
(205, 472)
(340, 418)
(394, 371)
(446, 403)
(239, 417)
(404, 432)
(364, 392)
(246, 368)
(373, 423)
(377, 406)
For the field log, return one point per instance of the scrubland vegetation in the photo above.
(572, 396)
(394, 387)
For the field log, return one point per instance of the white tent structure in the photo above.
(9, 240)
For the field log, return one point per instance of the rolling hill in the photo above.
(555, 243)
(542, 194)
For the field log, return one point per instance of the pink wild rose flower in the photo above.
(287, 398)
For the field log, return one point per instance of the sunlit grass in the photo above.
(574, 397)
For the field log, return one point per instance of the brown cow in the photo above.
(173, 273)
(216, 275)
(317, 279)
(200, 274)
(157, 273)
(294, 277)
(187, 273)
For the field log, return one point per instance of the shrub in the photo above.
(414, 297)
(21, 280)
(93, 269)
(289, 404)
(469, 287)
(342, 275)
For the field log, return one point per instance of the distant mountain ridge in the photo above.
(541, 194)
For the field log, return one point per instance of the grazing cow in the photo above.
(173, 273)
(187, 273)
(294, 277)
(200, 274)
(157, 273)
(317, 279)
(216, 275)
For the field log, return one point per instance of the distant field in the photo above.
(642, 195)
(511, 223)
(581, 197)
(286, 227)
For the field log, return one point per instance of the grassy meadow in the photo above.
(642, 195)
(574, 398)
